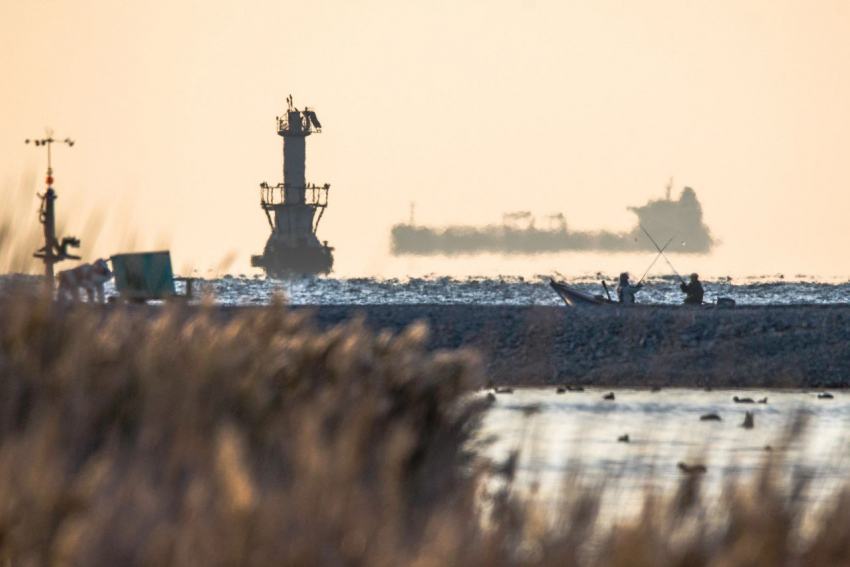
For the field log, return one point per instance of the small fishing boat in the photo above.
(577, 298)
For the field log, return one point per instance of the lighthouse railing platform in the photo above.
(309, 123)
(272, 196)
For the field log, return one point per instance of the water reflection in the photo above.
(574, 435)
(506, 290)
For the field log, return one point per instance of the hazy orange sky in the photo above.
(469, 108)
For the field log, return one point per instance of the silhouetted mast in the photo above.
(53, 251)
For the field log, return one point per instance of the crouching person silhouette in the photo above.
(88, 277)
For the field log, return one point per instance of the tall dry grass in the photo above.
(195, 436)
(130, 437)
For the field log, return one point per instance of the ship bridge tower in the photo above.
(291, 207)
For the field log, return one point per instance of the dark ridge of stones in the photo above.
(652, 347)
(745, 347)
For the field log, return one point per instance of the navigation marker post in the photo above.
(53, 250)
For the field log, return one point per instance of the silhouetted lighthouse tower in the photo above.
(291, 206)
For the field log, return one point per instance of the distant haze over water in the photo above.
(580, 108)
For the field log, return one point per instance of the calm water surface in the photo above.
(505, 290)
(575, 435)
(510, 290)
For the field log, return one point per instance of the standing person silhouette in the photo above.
(626, 291)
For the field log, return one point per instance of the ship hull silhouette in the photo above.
(518, 233)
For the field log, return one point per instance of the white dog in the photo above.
(89, 277)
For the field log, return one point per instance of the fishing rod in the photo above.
(608, 293)
(661, 252)
(657, 256)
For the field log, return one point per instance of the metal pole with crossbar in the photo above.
(53, 251)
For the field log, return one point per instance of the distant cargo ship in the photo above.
(291, 207)
(519, 233)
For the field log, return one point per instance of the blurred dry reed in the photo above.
(200, 436)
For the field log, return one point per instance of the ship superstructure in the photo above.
(518, 234)
(291, 207)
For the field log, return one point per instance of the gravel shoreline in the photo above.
(744, 347)
(802, 346)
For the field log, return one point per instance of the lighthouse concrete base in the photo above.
(285, 262)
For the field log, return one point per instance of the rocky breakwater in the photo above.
(782, 347)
